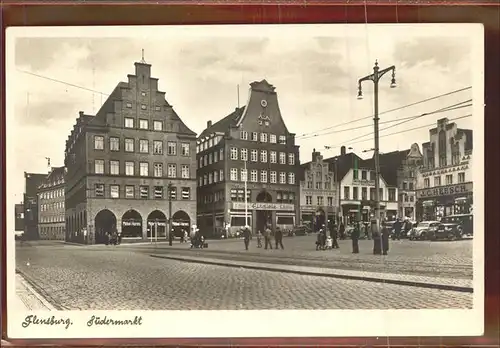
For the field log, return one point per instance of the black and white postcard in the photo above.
(245, 181)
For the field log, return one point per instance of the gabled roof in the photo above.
(389, 162)
(224, 124)
(468, 138)
(341, 164)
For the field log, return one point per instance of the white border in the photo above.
(325, 323)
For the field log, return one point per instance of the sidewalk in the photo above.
(28, 299)
(461, 285)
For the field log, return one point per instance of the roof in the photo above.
(389, 162)
(56, 171)
(341, 164)
(468, 138)
(224, 124)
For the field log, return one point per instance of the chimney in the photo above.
(80, 113)
(342, 150)
(209, 124)
(315, 155)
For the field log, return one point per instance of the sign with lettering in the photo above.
(363, 182)
(264, 206)
(157, 223)
(180, 223)
(432, 172)
(445, 190)
(131, 223)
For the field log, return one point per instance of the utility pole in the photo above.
(170, 186)
(246, 198)
(375, 78)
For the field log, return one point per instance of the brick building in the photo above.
(131, 167)
(318, 192)
(30, 199)
(51, 211)
(251, 144)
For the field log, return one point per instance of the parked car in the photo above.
(465, 221)
(423, 230)
(448, 231)
(301, 230)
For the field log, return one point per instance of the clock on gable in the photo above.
(263, 102)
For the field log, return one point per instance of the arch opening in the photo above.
(157, 225)
(104, 222)
(180, 223)
(132, 224)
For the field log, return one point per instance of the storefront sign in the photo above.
(131, 223)
(445, 190)
(180, 223)
(433, 172)
(264, 206)
(363, 182)
(157, 223)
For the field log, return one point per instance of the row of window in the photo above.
(238, 195)
(244, 135)
(254, 156)
(254, 176)
(443, 160)
(319, 185)
(52, 218)
(364, 193)
(320, 200)
(448, 180)
(52, 194)
(129, 146)
(129, 169)
(129, 191)
(408, 186)
(51, 206)
(53, 183)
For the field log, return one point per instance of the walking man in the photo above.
(355, 237)
(267, 238)
(278, 238)
(170, 237)
(397, 229)
(246, 236)
(385, 239)
(334, 236)
(342, 231)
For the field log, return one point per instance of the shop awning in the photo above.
(427, 203)
(461, 199)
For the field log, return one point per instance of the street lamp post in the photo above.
(375, 78)
(170, 228)
(246, 197)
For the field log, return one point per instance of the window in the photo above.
(158, 192)
(143, 106)
(200, 181)
(210, 142)
(372, 193)
(114, 191)
(272, 138)
(99, 166)
(449, 179)
(263, 176)
(171, 148)
(406, 197)
(272, 155)
(253, 155)
(282, 158)
(129, 145)
(234, 153)
(221, 154)
(221, 175)
(98, 142)
(173, 193)
(355, 175)
(381, 194)
(205, 160)
(144, 192)
(272, 177)
(392, 194)
(158, 147)
(330, 201)
(158, 170)
(442, 160)
(185, 172)
(114, 167)
(309, 200)
(210, 178)
(347, 192)
(363, 175)
(128, 105)
(185, 193)
(129, 191)
(244, 154)
(172, 170)
(216, 176)
(99, 190)
(129, 122)
(318, 185)
(410, 186)
(263, 137)
(129, 168)
(234, 174)
(143, 93)
(263, 156)
(405, 185)
(114, 144)
(143, 124)
(355, 192)
(437, 181)
(157, 108)
(243, 174)
(244, 135)
(157, 125)
(291, 159)
(253, 175)
(254, 136)
(282, 178)
(319, 200)
(461, 177)
(282, 139)
(185, 149)
(144, 169)
(427, 182)
(205, 179)
(216, 157)
(143, 146)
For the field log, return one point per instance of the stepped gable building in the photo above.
(30, 200)
(51, 211)
(251, 144)
(131, 167)
(445, 182)
(318, 192)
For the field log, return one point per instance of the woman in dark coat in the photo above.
(385, 240)
(355, 237)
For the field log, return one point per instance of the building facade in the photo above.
(131, 168)
(318, 192)
(19, 219)
(252, 145)
(51, 211)
(30, 199)
(444, 182)
(407, 182)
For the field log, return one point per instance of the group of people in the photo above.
(278, 237)
(401, 228)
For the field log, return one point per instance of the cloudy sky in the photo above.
(315, 70)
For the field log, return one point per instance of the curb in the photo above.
(39, 293)
(22, 285)
(311, 272)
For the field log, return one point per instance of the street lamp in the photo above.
(375, 78)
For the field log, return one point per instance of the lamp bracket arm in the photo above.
(384, 71)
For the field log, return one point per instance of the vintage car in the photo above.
(301, 230)
(465, 221)
(447, 231)
(423, 230)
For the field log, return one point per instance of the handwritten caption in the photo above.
(67, 322)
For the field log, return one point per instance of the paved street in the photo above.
(446, 259)
(114, 278)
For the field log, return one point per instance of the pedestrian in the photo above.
(278, 238)
(385, 239)
(119, 237)
(355, 238)
(246, 236)
(342, 231)
(397, 229)
(408, 226)
(267, 238)
(376, 235)
(259, 239)
(333, 235)
(171, 237)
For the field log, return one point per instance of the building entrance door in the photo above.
(263, 217)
